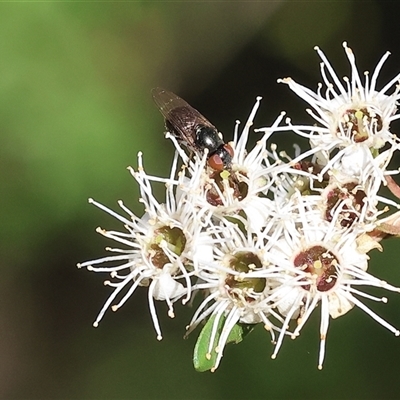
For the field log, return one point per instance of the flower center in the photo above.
(303, 183)
(360, 123)
(354, 201)
(240, 286)
(173, 238)
(223, 180)
(321, 263)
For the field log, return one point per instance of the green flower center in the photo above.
(245, 262)
(175, 241)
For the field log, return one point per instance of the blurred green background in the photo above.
(75, 108)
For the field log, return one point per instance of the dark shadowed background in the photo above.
(75, 109)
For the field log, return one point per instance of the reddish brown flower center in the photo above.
(240, 189)
(321, 263)
(303, 183)
(349, 211)
(360, 123)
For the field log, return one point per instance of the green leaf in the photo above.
(202, 360)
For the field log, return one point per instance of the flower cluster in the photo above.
(258, 237)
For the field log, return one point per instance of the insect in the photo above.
(192, 129)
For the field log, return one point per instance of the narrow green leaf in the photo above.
(201, 359)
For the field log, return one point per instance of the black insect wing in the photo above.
(192, 129)
(181, 119)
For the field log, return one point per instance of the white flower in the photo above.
(242, 188)
(352, 113)
(235, 282)
(158, 247)
(324, 265)
(348, 186)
